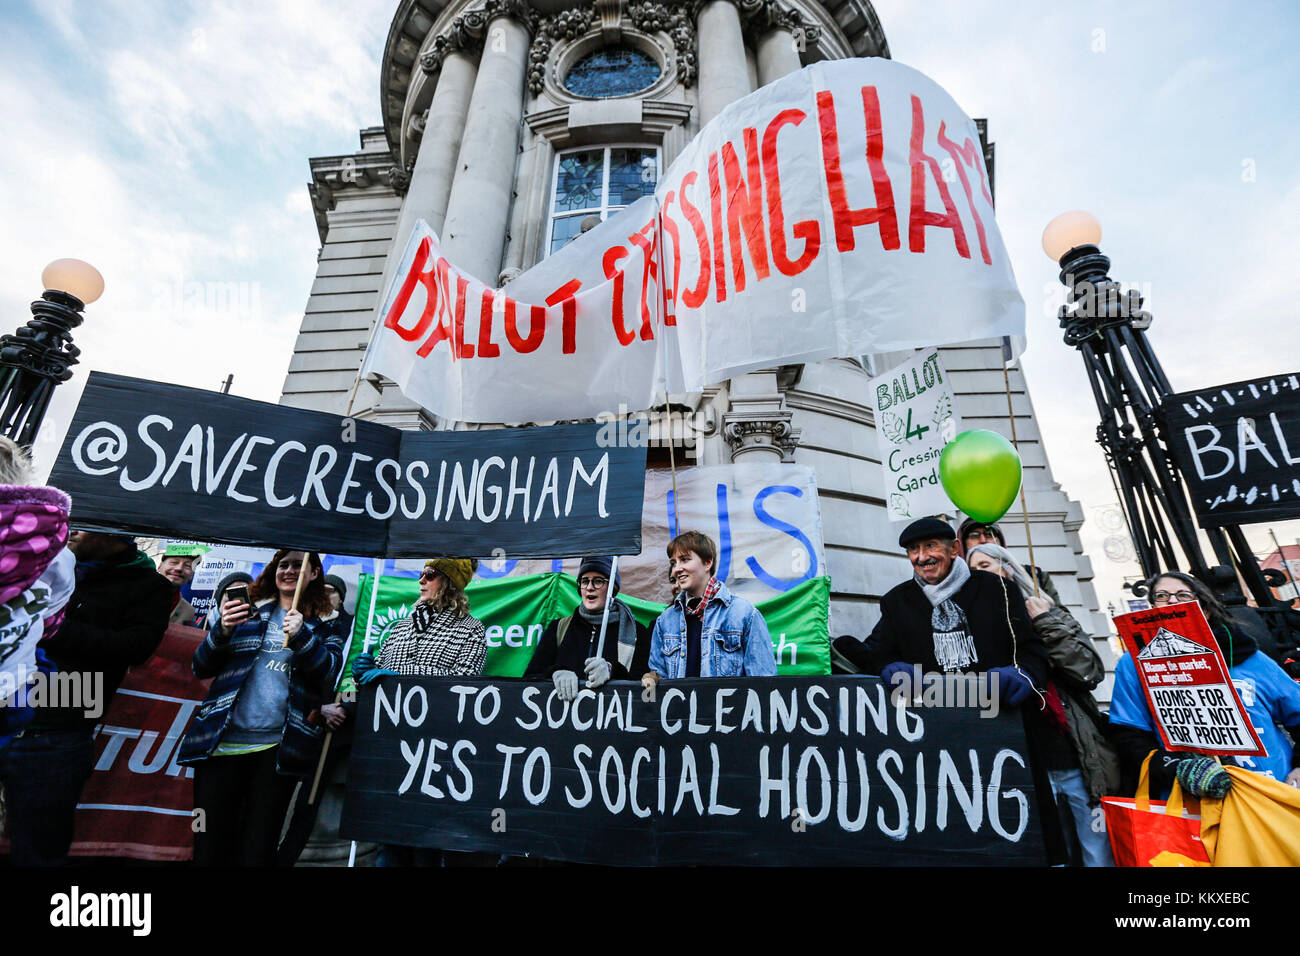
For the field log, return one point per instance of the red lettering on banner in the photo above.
(919, 217)
(846, 219)
(670, 227)
(453, 332)
(415, 276)
(441, 330)
(462, 350)
(715, 211)
(692, 298)
(745, 204)
(610, 264)
(968, 155)
(808, 230)
(486, 347)
(646, 239)
(536, 328)
(564, 295)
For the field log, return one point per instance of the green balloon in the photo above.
(980, 471)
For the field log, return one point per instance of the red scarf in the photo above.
(709, 590)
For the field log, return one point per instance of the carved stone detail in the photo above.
(565, 25)
(465, 35)
(611, 20)
(400, 179)
(677, 19)
(760, 432)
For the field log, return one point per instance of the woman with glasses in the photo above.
(439, 639)
(251, 740)
(1270, 696)
(567, 653)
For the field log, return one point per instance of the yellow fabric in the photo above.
(1256, 824)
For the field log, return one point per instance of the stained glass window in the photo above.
(598, 182)
(612, 71)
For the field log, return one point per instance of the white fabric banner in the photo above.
(765, 519)
(915, 420)
(840, 210)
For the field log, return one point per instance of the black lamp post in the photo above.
(1108, 328)
(40, 355)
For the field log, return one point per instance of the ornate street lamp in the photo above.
(1108, 328)
(40, 355)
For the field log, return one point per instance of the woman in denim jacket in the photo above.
(707, 631)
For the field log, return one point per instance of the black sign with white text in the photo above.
(758, 771)
(1238, 447)
(150, 458)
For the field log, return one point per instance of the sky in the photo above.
(168, 144)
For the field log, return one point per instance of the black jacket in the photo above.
(116, 619)
(904, 632)
(578, 645)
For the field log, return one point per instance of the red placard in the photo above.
(1185, 678)
(139, 801)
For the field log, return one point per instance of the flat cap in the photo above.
(924, 528)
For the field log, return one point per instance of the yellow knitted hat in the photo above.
(458, 571)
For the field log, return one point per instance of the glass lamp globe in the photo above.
(75, 278)
(1068, 231)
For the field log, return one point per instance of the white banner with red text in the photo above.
(841, 210)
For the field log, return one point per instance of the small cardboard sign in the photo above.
(1186, 682)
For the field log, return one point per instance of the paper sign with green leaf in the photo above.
(915, 419)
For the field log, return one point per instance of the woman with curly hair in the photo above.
(439, 639)
(251, 740)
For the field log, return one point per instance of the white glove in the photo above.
(566, 684)
(598, 671)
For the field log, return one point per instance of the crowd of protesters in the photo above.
(92, 604)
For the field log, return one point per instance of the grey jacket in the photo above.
(1076, 668)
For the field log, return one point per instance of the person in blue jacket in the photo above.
(1270, 696)
(707, 631)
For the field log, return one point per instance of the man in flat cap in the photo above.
(949, 619)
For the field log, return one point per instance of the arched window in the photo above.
(612, 71)
(597, 181)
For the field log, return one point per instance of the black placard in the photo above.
(168, 460)
(1238, 447)
(706, 773)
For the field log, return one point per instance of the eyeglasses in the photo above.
(1178, 597)
(594, 584)
(428, 574)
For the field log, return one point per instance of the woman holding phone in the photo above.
(251, 741)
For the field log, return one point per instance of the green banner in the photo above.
(516, 610)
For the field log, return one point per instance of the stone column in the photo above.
(757, 424)
(724, 75)
(777, 55)
(478, 211)
(435, 166)
(435, 163)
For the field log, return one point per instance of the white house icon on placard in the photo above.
(1168, 644)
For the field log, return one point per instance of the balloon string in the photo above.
(1024, 509)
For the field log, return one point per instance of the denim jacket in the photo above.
(734, 635)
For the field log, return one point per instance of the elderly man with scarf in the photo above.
(948, 619)
(568, 646)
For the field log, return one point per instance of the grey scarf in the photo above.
(620, 620)
(954, 648)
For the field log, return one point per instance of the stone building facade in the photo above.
(494, 109)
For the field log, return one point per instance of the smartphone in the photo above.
(238, 592)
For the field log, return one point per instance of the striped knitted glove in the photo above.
(1204, 777)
